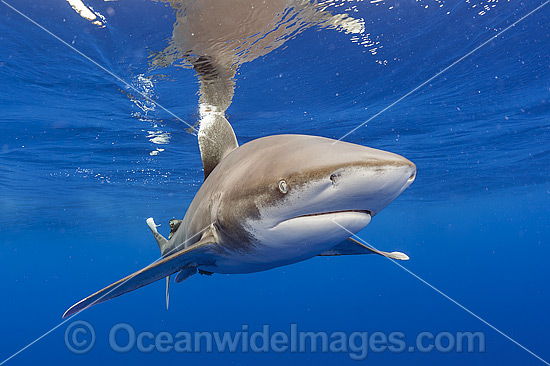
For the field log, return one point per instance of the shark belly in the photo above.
(289, 242)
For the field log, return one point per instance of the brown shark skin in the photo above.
(298, 159)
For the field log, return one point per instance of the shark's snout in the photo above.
(411, 171)
(413, 175)
(380, 178)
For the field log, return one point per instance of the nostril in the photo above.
(413, 176)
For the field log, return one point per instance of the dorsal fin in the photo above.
(216, 138)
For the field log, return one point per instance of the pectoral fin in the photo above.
(351, 246)
(197, 254)
(185, 274)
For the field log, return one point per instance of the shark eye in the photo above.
(334, 177)
(283, 186)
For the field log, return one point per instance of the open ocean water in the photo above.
(85, 159)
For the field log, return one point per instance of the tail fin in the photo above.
(161, 240)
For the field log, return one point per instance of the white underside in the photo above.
(292, 241)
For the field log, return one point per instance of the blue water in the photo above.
(80, 172)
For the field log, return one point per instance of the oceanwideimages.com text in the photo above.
(80, 338)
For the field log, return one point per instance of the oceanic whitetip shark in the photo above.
(276, 200)
(271, 202)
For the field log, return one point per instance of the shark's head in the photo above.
(295, 188)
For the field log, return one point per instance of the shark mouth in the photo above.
(367, 212)
(329, 225)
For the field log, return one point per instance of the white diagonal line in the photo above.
(469, 311)
(442, 71)
(33, 342)
(126, 84)
(94, 302)
(451, 299)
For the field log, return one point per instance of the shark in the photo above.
(271, 202)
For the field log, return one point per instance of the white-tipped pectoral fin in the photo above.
(351, 246)
(200, 253)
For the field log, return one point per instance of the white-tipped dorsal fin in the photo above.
(216, 138)
(351, 246)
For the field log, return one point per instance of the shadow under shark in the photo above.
(271, 202)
